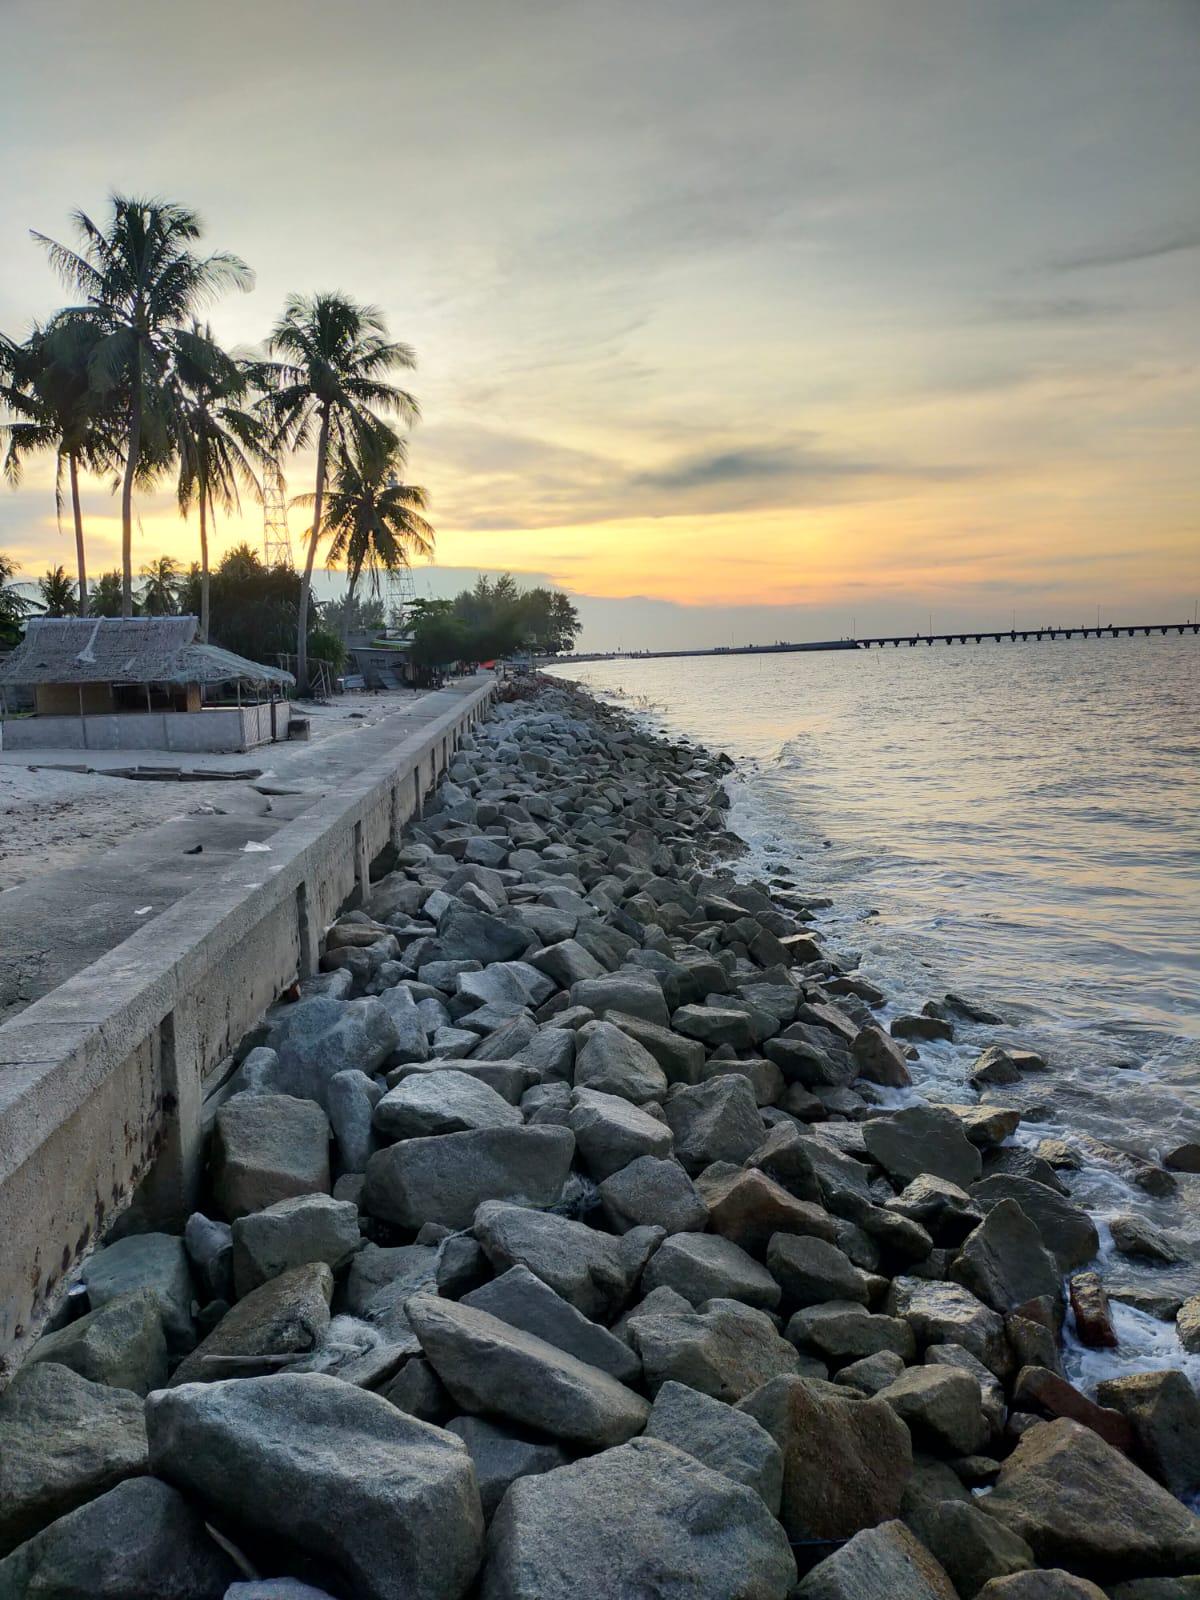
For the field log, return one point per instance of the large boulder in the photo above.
(140, 1541)
(845, 1461)
(723, 1438)
(923, 1139)
(655, 1192)
(157, 1262)
(594, 1271)
(811, 1271)
(880, 1059)
(320, 1037)
(643, 1519)
(121, 1345)
(611, 1062)
(63, 1441)
(947, 1313)
(726, 1351)
(973, 1547)
(311, 1467)
(466, 935)
(633, 993)
(1067, 1232)
(714, 1121)
(287, 1315)
(610, 1132)
(268, 1147)
(444, 1178)
(447, 1101)
(1164, 1412)
(1081, 1504)
(1052, 1583)
(943, 1407)
(501, 1455)
(1004, 1261)
(843, 1331)
(704, 1266)
(747, 1206)
(883, 1563)
(293, 1233)
(494, 1369)
(522, 1300)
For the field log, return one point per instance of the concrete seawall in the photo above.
(104, 1079)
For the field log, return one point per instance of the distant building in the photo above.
(136, 683)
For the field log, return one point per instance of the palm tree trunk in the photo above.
(131, 465)
(204, 613)
(313, 540)
(80, 559)
(351, 586)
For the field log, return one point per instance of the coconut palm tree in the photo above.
(57, 593)
(107, 596)
(14, 607)
(141, 282)
(326, 381)
(48, 389)
(162, 579)
(222, 440)
(373, 520)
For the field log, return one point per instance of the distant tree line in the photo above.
(495, 619)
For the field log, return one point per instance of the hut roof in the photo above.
(126, 650)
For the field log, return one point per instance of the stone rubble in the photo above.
(578, 1231)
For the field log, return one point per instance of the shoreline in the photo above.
(629, 1189)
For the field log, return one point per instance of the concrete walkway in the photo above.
(54, 925)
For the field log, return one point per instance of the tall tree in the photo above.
(53, 402)
(327, 379)
(107, 599)
(373, 520)
(57, 593)
(14, 607)
(162, 580)
(223, 440)
(141, 282)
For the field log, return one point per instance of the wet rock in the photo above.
(880, 1059)
(943, 1209)
(1093, 1320)
(609, 1061)
(748, 1207)
(445, 1178)
(1078, 1502)
(1187, 1324)
(681, 1526)
(1183, 1158)
(811, 1271)
(704, 1266)
(923, 1139)
(972, 1548)
(449, 1101)
(325, 1470)
(1135, 1236)
(942, 1407)
(287, 1316)
(154, 1261)
(121, 1345)
(493, 1368)
(594, 1271)
(714, 1121)
(655, 1192)
(1050, 1395)
(724, 1439)
(502, 1455)
(844, 1331)
(845, 1461)
(140, 1540)
(881, 1563)
(524, 1301)
(921, 1027)
(726, 1351)
(1164, 1412)
(292, 1233)
(610, 1132)
(1068, 1233)
(994, 1068)
(63, 1441)
(266, 1148)
(946, 1313)
(1004, 1261)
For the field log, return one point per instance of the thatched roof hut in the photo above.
(127, 650)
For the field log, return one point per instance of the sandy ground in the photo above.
(52, 818)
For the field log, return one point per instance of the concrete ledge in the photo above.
(103, 1078)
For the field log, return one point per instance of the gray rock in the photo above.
(491, 1367)
(609, 1061)
(1004, 1261)
(266, 1148)
(275, 1589)
(810, 1271)
(883, 1563)
(1135, 1236)
(331, 1471)
(154, 1261)
(209, 1245)
(1165, 1413)
(419, 1392)
(942, 1407)
(880, 1059)
(292, 1233)
(870, 1374)
(704, 1266)
(567, 962)
(551, 1055)
(923, 1139)
(594, 1271)
(715, 1026)
(643, 1519)
(714, 1121)
(287, 1316)
(350, 1097)
(466, 935)
(681, 1059)
(991, 1390)
(845, 1461)
(121, 1345)
(524, 1301)
(726, 1351)
(610, 1132)
(444, 1178)
(509, 1079)
(843, 1331)
(633, 993)
(1078, 1502)
(972, 1547)
(318, 1038)
(724, 1439)
(448, 1101)
(381, 1278)
(946, 1313)
(63, 1441)
(750, 1208)
(1055, 1584)
(140, 1541)
(784, 1155)
(501, 1456)
(655, 1192)
(1068, 1233)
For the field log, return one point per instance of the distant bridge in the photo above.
(1111, 630)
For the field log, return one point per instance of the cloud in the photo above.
(750, 465)
(1060, 308)
(1148, 248)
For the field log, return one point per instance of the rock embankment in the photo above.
(576, 1233)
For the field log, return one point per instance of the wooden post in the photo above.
(82, 718)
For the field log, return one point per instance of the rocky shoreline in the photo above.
(575, 1232)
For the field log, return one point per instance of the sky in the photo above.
(781, 319)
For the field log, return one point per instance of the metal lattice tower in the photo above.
(401, 592)
(277, 540)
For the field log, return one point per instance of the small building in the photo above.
(137, 683)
